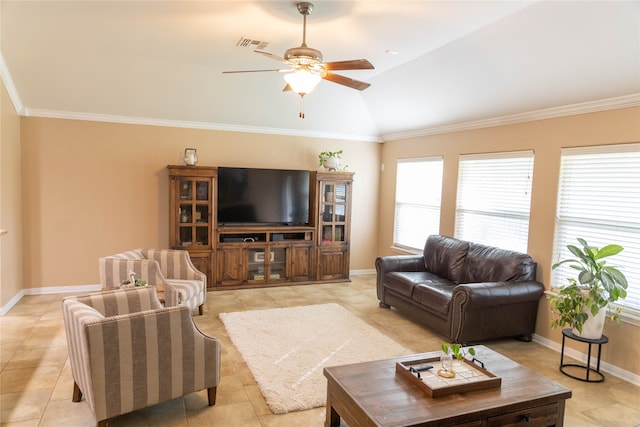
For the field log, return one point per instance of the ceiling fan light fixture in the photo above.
(302, 81)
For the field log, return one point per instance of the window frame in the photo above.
(585, 164)
(432, 207)
(500, 216)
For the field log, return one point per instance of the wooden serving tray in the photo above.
(469, 377)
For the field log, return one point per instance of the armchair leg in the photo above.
(77, 393)
(211, 394)
(200, 309)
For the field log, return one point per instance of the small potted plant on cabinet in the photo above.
(330, 159)
(582, 304)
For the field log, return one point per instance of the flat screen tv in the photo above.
(248, 196)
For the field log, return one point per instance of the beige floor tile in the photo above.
(29, 423)
(23, 379)
(230, 390)
(167, 414)
(311, 418)
(29, 357)
(23, 406)
(232, 415)
(68, 413)
(615, 415)
(33, 358)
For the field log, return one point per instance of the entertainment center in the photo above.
(251, 227)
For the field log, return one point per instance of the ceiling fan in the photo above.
(305, 68)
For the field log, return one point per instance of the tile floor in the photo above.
(36, 383)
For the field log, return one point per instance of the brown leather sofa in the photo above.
(464, 291)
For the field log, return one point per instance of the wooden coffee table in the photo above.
(371, 394)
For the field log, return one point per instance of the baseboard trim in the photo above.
(13, 301)
(362, 272)
(608, 368)
(47, 290)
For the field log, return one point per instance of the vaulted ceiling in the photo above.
(437, 63)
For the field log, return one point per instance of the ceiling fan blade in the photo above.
(354, 64)
(251, 71)
(346, 81)
(272, 56)
(287, 88)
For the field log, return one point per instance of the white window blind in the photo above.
(494, 199)
(418, 199)
(599, 201)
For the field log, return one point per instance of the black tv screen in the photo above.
(263, 196)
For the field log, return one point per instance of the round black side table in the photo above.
(568, 333)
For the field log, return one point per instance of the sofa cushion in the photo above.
(489, 264)
(445, 256)
(403, 282)
(435, 295)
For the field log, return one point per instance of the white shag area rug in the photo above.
(286, 350)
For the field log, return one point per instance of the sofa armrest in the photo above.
(483, 310)
(386, 264)
(497, 293)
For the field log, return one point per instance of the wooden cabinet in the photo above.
(231, 269)
(255, 256)
(301, 262)
(333, 224)
(192, 214)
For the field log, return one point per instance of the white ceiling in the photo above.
(457, 61)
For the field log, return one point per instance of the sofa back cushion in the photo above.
(445, 256)
(489, 264)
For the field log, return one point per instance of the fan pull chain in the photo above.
(301, 106)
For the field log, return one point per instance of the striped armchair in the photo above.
(167, 266)
(128, 352)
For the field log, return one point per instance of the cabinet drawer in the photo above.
(541, 416)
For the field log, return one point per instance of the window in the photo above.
(418, 198)
(599, 201)
(494, 199)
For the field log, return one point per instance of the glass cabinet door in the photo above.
(333, 211)
(266, 264)
(256, 266)
(194, 212)
(277, 264)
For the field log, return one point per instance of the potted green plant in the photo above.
(449, 353)
(133, 281)
(330, 159)
(582, 304)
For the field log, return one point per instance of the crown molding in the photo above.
(626, 101)
(11, 87)
(70, 115)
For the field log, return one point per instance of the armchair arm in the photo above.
(175, 264)
(148, 357)
(386, 264)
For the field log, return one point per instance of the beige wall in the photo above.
(10, 201)
(546, 138)
(92, 189)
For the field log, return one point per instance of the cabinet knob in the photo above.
(525, 418)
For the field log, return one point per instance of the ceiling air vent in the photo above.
(254, 44)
